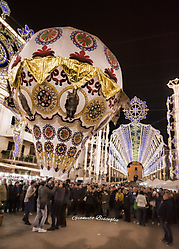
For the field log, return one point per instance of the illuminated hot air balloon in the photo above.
(68, 85)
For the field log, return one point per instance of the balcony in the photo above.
(28, 160)
(27, 133)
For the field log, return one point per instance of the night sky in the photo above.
(143, 35)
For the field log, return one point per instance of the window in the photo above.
(10, 145)
(13, 120)
(135, 168)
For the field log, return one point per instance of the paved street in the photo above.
(83, 234)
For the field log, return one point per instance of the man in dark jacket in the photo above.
(42, 200)
(10, 196)
(165, 214)
(127, 204)
(75, 199)
(57, 206)
(16, 192)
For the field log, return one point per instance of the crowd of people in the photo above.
(60, 199)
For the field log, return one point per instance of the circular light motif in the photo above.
(37, 132)
(4, 56)
(48, 147)
(95, 111)
(48, 36)
(111, 58)
(45, 98)
(64, 134)
(39, 147)
(49, 132)
(61, 149)
(71, 151)
(83, 40)
(77, 138)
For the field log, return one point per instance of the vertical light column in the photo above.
(91, 158)
(98, 156)
(174, 84)
(106, 146)
(110, 163)
(85, 163)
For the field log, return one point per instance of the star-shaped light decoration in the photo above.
(138, 110)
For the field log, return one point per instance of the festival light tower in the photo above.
(173, 127)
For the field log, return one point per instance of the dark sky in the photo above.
(143, 35)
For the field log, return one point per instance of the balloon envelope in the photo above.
(68, 85)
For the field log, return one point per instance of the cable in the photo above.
(144, 38)
(158, 121)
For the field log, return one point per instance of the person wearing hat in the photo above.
(43, 193)
(29, 201)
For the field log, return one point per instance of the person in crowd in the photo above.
(116, 206)
(141, 206)
(29, 201)
(97, 198)
(43, 194)
(165, 214)
(134, 195)
(57, 206)
(10, 196)
(89, 198)
(66, 201)
(153, 206)
(127, 205)
(3, 192)
(24, 190)
(50, 196)
(75, 199)
(105, 202)
(120, 196)
(16, 192)
(6, 202)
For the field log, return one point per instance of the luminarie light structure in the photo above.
(137, 142)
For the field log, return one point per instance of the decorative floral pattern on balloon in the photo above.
(48, 36)
(93, 88)
(111, 74)
(64, 134)
(83, 40)
(61, 149)
(81, 57)
(45, 51)
(49, 132)
(77, 138)
(95, 110)
(71, 152)
(48, 147)
(84, 141)
(16, 61)
(57, 80)
(45, 98)
(112, 101)
(111, 58)
(37, 132)
(39, 147)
